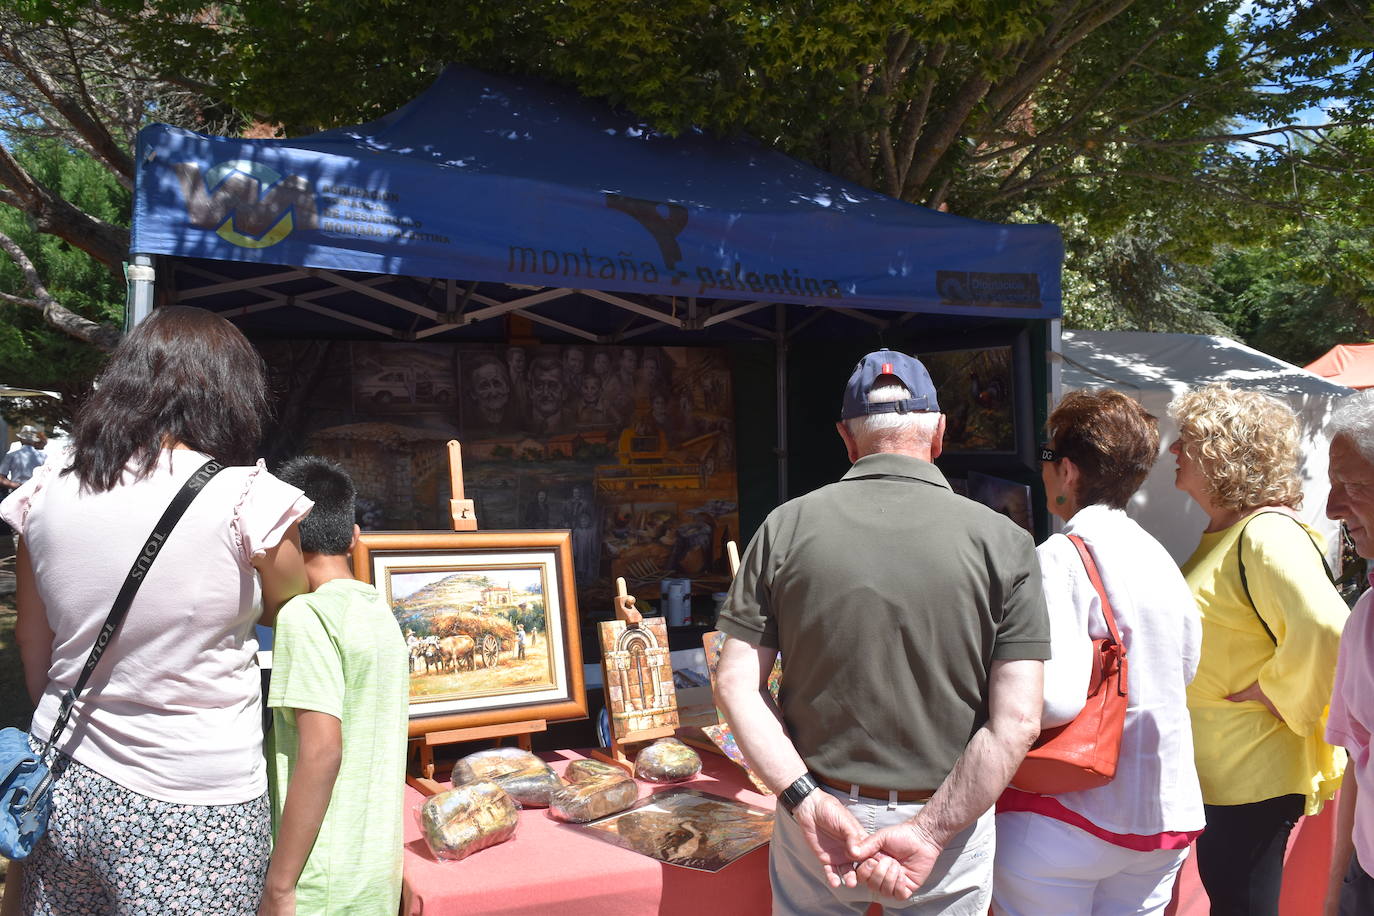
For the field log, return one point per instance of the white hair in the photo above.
(1353, 418)
(920, 426)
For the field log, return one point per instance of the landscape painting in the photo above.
(473, 631)
(489, 620)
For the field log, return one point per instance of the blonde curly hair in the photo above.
(1245, 444)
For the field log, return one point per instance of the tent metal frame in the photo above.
(464, 306)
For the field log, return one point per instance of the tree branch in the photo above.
(103, 336)
(51, 214)
(70, 108)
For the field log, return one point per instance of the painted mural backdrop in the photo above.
(632, 448)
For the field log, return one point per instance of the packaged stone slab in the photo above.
(526, 778)
(667, 760)
(592, 793)
(468, 819)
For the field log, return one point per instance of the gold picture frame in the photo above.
(490, 620)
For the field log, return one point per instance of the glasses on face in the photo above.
(1048, 454)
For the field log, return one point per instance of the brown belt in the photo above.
(905, 796)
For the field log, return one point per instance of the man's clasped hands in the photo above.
(894, 861)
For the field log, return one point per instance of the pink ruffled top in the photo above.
(173, 710)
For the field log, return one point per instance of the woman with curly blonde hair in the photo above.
(1271, 626)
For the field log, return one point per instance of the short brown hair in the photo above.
(1113, 440)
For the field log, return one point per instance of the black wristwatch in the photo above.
(793, 794)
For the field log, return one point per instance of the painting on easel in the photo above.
(489, 618)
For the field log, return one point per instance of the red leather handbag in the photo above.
(1082, 754)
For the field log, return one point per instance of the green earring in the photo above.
(1060, 500)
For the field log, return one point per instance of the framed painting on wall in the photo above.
(490, 622)
(983, 386)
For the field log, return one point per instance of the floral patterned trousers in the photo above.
(112, 852)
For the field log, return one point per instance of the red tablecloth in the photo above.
(549, 867)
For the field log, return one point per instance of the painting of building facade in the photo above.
(629, 447)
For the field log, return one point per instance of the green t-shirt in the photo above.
(338, 650)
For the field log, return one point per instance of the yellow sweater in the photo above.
(1243, 753)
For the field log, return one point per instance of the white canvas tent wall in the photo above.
(1154, 368)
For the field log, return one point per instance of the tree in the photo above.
(1097, 106)
(1094, 113)
(45, 267)
(72, 98)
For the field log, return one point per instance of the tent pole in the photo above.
(780, 344)
(141, 279)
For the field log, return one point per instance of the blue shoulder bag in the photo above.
(25, 779)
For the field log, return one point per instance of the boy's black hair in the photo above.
(328, 529)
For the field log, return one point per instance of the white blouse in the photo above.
(1156, 786)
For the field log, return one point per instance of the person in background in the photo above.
(914, 628)
(339, 698)
(1271, 625)
(1117, 848)
(18, 466)
(1351, 467)
(160, 801)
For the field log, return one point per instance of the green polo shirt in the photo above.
(889, 597)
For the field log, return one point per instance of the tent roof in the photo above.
(502, 181)
(1140, 360)
(1351, 365)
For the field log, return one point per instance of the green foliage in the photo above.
(32, 353)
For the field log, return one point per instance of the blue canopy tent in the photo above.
(488, 196)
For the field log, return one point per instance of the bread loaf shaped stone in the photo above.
(594, 796)
(526, 778)
(667, 760)
(468, 819)
(590, 771)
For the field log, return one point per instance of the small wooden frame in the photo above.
(631, 705)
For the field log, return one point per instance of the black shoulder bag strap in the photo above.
(1240, 558)
(142, 563)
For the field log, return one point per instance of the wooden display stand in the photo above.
(627, 614)
(463, 517)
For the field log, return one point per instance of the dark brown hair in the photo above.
(184, 375)
(1111, 438)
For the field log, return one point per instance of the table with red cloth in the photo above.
(551, 867)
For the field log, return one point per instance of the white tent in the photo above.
(1154, 368)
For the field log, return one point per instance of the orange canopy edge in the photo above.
(1351, 365)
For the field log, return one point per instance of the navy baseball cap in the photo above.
(905, 369)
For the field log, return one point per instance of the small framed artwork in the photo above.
(490, 622)
(984, 390)
(1008, 497)
(686, 827)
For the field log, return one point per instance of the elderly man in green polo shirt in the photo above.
(913, 633)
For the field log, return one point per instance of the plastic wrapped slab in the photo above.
(468, 819)
(526, 778)
(667, 760)
(594, 797)
(590, 770)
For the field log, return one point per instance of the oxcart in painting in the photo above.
(473, 631)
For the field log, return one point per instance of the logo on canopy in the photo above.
(246, 203)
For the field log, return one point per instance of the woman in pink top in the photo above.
(160, 802)
(1116, 848)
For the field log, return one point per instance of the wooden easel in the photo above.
(626, 612)
(463, 517)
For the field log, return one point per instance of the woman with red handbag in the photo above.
(1116, 847)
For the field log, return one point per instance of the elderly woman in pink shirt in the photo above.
(160, 801)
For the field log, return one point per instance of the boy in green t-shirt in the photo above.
(339, 697)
